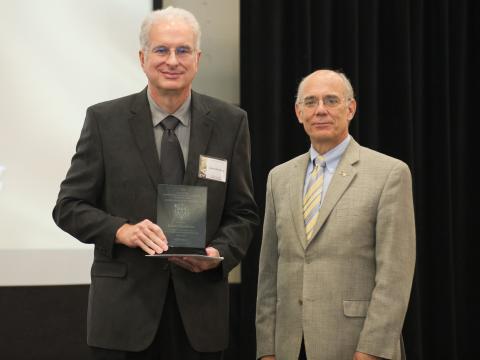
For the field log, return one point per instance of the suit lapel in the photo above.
(341, 180)
(200, 132)
(142, 129)
(297, 181)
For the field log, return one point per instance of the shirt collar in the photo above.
(332, 157)
(182, 113)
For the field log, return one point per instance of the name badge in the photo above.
(212, 169)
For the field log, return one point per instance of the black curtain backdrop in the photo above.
(414, 69)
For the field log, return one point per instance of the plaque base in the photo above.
(197, 256)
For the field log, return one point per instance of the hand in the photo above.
(146, 235)
(362, 356)
(195, 264)
(268, 357)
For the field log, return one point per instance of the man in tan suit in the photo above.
(336, 271)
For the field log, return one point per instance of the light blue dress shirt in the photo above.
(332, 158)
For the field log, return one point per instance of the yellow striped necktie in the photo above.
(313, 196)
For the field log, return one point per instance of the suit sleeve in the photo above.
(78, 210)
(267, 279)
(240, 210)
(395, 262)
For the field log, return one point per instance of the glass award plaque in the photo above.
(182, 215)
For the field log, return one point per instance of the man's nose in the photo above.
(172, 58)
(320, 109)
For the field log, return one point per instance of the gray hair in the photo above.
(348, 85)
(168, 14)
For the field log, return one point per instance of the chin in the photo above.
(170, 85)
(322, 134)
(171, 82)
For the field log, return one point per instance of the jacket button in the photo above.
(300, 302)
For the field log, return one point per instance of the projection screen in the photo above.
(59, 57)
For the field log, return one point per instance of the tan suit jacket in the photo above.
(347, 289)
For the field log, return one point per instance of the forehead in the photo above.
(171, 32)
(323, 83)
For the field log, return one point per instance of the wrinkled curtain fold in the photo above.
(415, 70)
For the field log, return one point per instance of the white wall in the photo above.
(57, 58)
(219, 73)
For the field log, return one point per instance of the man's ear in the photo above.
(352, 108)
(141, 56)
(299, 113)
(199, 55)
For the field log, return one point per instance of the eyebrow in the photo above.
(168, 47)
(315, 96)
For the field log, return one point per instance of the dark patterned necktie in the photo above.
(171, 156)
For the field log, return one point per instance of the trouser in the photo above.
(302, 355)
(170, 342)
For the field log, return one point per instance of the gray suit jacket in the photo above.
(348, 289)
(113, 180)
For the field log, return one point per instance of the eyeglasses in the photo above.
(329, 101)
(181, 52)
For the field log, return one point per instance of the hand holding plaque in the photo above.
(198, 263)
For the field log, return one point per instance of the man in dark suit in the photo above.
(140, 307)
